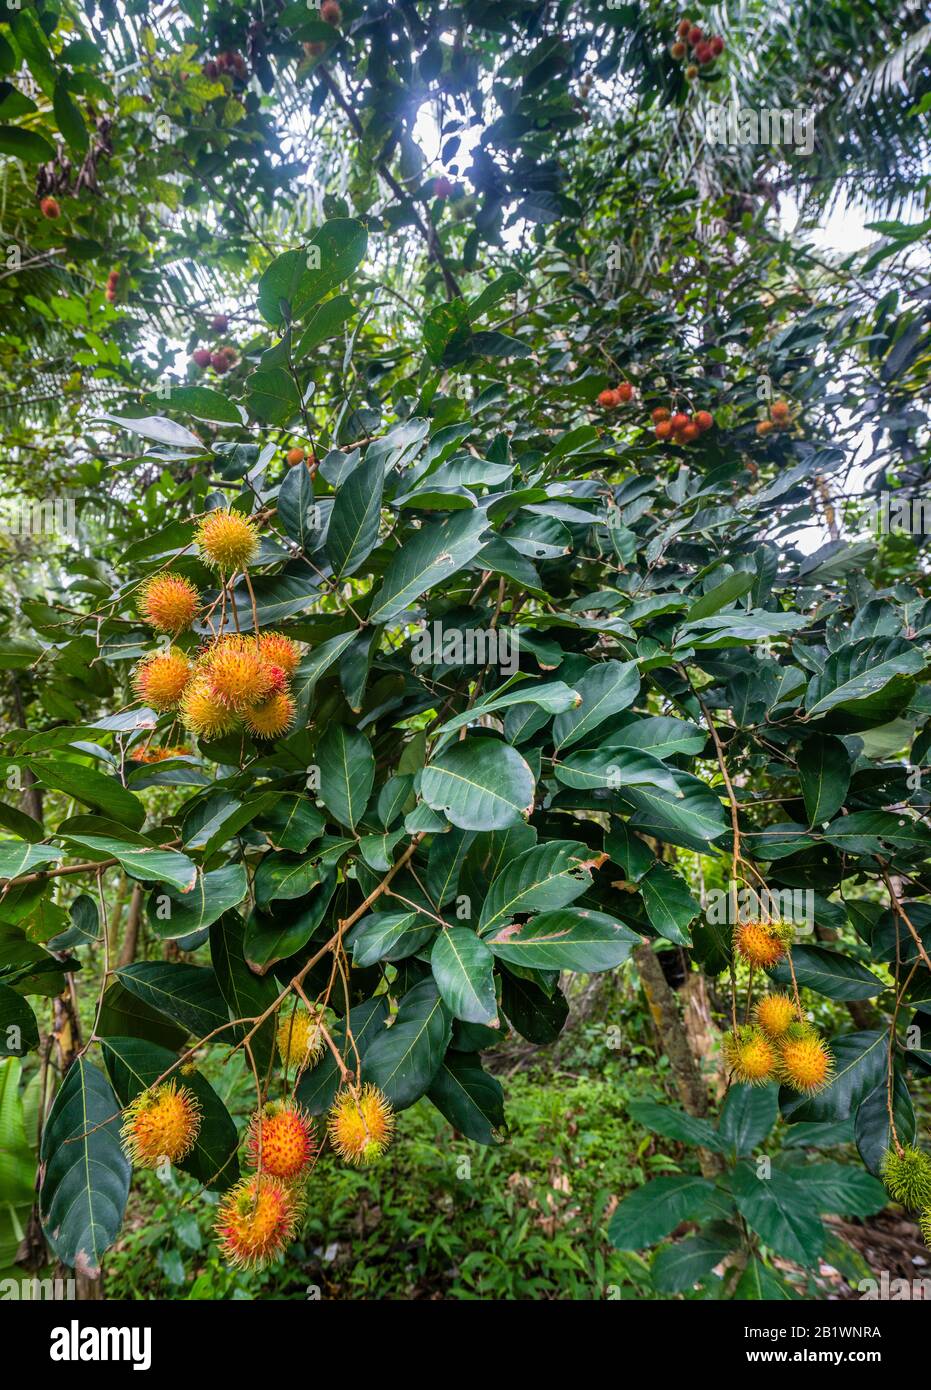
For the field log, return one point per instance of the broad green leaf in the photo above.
(747, 1116)
(17, 857)
(93, 788)
(463, 968)
(605, 690)
(428, 557)
(669, 903)
(403, 1059)
(541, 879)
(347, 773)
(678, 1267)
(469, 1097)
(173, 914)
(570, 938)
(650, 1212)
(479, 784)
(188, 994)
(824, 774)
(859, 1065)
(388, 936)
(780, 1210)
(86, 1174)
(353, 530)
(829, 973)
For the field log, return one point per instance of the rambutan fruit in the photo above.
(704, 420)
(300, 1039)
(703, 53)
(683, 27)
(717, 46)
(50, 207)
(907, 1177)
(679, 420)
(750, 1055)
(287, 1141)
(764, 427)
(689, 432)
(805, 1060)
(219, 323)
(160, 679)
(236, 672)
(201, 358)
(273, 718)
(691, 72)
(160, 1123)
(678, 50)
(168, 602)
(695, 35)
(294, 456)
(361, 1124)
(779, 410)
(227, 540)
(608, 399)
(762, 943)
(257, 1219)
(279, 650)
(331, 13)
(624, 392)
(663, 429)
(775, 1013)
(203, 713)
(660, 414)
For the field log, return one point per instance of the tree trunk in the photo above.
(673, 1039)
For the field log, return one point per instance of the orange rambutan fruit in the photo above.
(256, 1220)
(300, 1039)
(360, 1124)
(775, 1013)
(805, 1060)
(160, 1123)
(273, 718)
(160, 679)
(227, 540)
(281, 1140)
(279, 650)
(761, 943)
(169, 602)
(750, 1055)
(236, 672)
(203, 713)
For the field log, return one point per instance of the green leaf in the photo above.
(758, 1281)
(247, 995)
(650, 1212)
(747, 1116)
(877, 832)
(296, 507)
(324, 323)
(149, 865)
(188, 994)
(347, 773)
(332, 254)
(570, 938)
(606, 690)
(278, 285)
(19, 1031)
(124, 1015)
(829, 973)
(541, 879)
(283, 933)
(206, 404)
(285, 876)
(552, 697)
(273, 396)
(93, 788)
(479, 784)
(779, 1210)
(470, 1099)
(872, 1130)
(853, 677)
(693, 817)
(17, 857)
(602, 768)
(68, 117)
(388, 936)
(679, 1267)
(157, 427)
(428, 557)
(841, 1189)
(676, 1124)
(86, 1175)
(734, 586)
(353, 530)
(403, 1060)
(824, 774)
(292, 823)
(669, 903)
(173, 914)
(27, 145)
(133, 1065)
(463, 968)
(310, 670)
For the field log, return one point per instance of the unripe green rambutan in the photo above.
(924, 1223)
(907, 1177)
(750, 1055)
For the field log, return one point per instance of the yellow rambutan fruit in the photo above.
(907, 1177)
(762, 943)
(774, 1013)
(272, 718)
(256, 1220)
(360, 1124)
(160, 679)
(279, 650)
(203, 713)
(169, 602)
(236, 673)
(300, 1039)
(160, 1123)
(286, 1145)
(750, 1055)
(227, 540)
(805, 1060)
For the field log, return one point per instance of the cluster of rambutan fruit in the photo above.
(261, 1213)
(779, 1045)
(236, 681)
(906, 1173)
(229, 61)
(704, 47)
(221, 359)
(614, 396)
(780, 418)
(679, 426)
